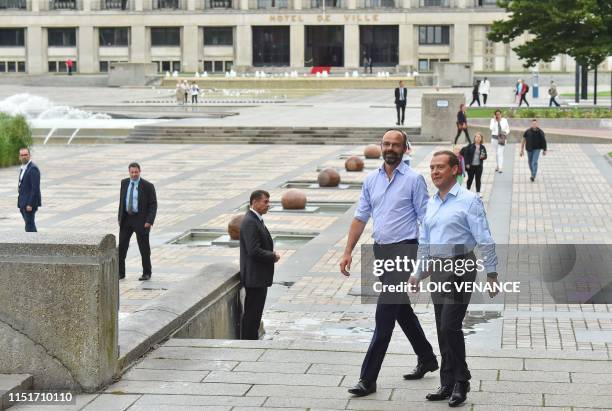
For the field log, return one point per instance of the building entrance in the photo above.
(324, 46)
(379, 43)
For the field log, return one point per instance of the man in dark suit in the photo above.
(257, 258)
(137, 210)
(29, 198)
(400, 102)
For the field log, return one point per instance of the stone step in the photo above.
(13, 383)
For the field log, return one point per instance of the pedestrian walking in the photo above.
(534, 141)
(195, 91)
(462, 124)
(484, 88)
(499, 135)
(69, 65)
(523, 93)
(553, 93)
(475, 93)
(474, 156)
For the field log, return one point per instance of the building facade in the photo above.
(39, 36)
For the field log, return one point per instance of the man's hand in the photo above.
(413, 284)
(492, 282)
(345, 264)
(276, 257)
(521, 153)
(29, 209)
(147, 226)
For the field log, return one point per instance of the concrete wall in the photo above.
(453, 74)
(58, 314)
(439, 115)
(131, 74)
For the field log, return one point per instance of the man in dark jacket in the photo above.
(400, 102)
(257, 259)
(29, 198)
(535, 142)
(462, 124)
(137, 210)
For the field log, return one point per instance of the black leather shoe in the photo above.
(362, 389)
(145, 277)
(459, 394)
(444, 392)
(421, 369)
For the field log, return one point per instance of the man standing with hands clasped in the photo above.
(137, 210)
(455, 223)
(400, 102)
(29, 196)
(395, 196)
(257, 259)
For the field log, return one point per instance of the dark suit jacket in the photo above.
(147, 201)
(256, 252)
(397, 96)
(468, 153)
(29, 189)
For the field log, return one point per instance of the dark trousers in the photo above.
(474, 171)
(467, 135)
(401, 110)
(28, 218)
(523, 98)
(484, 99)
(553, 100)
(130, 225)
(194, 98)
(475, 99)
(253, 310)
(387, 313)
(450, 309)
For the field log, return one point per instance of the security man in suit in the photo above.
(29, 198)
(137, 210)
(400, 102)
(257, 259)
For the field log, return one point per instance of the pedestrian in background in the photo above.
(474, 156)
(483, 89)
(29, 198)
(534, 141)
(475, 93)
(462, 124)
(553, 93)
(499, 135)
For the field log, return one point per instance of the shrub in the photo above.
(14, 134)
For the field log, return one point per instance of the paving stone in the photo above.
(199, 400)
(363, 404)
(273, 378)
(310, 392)
(545, 387)
(110, 402)
(494, 399)
(187, 388)
(306, 402)
(588, 378)
(224, 354)
(547, 376)
(265, 408)
(328, 357)
(483, 363)
(186, 365)
(575, 400)
(599, 367)
(167, 407)
(164, 375)
(281, 368)
(217, 343)
(487, 407)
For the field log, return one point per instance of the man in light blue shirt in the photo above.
(395, 196)
(455, 223)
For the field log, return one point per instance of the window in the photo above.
(380, 43)
(62, 4)
(12, 37)
(485, 3)
(434, 35)
(103, 66)
(435, 3)
(61, 37)
(208, 65)
(218, 36)
(272, 4)
(11, 67)
(21, 66)
(166, 4)
(113, 36)
(218, 4)
(176, 66)
(270, 46)
(12, 4)
(165, 36)
(426, 65)
(52, 66)
(228, 65)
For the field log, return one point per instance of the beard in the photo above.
(391, 158)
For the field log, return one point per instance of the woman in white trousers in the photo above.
(498, 126)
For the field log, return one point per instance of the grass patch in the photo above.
(14, 134)
(599, 94)
(527, 112)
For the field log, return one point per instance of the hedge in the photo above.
(14, 134)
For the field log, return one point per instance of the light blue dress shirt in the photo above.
(134, 196)
(455, 226)
(396, 205)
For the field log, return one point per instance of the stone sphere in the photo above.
(353, 164)
(328, 178)
(233, 228)
(372, 151)
(293, 199)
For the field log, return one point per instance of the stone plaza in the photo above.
(522, 356)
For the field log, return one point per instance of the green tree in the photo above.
(581, 29)
(14, 134)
